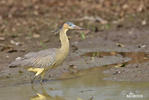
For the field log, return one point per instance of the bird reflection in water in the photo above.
(44, 95)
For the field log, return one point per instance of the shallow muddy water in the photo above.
(86, 84)
(89, 85)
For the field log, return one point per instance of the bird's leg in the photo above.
(42, 77)
(38, 71)
(32, 80)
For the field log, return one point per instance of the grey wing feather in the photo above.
(43, 58)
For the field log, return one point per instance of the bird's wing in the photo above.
(43, 58)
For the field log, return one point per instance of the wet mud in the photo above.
(109, 61)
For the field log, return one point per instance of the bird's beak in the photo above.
(78, 27)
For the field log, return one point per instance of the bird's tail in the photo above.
(14, 64)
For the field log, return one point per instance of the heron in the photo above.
(41, 61)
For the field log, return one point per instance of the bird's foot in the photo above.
(32, 80)
(43, 80)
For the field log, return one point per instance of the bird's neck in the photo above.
(64, 40)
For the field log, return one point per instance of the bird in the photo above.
(41, 61)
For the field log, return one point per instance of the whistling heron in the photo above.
(44, 60)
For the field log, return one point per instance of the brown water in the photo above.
(136, 57)
(87, 84)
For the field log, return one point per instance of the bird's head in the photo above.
(70, 25)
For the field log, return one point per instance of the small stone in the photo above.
(125, 6)
(18, 58)
(2, 38)
(7, 56)
(120, 45)
(36, 35)
(142, 46)
(144, 22)
(73, 66)
(116, 72)
(15, 43)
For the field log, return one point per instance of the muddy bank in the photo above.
(114, 31)
(132, 41)
(111, 48)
